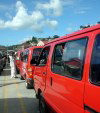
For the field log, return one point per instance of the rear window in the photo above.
(36, 52)
(95, 62)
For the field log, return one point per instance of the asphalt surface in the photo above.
(14, 97)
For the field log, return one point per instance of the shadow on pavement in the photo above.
(19, 105)
(6, 84)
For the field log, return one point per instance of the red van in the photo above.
(67, 75)
(27, 57)
(17, 61)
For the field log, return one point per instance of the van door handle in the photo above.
(44, 73)
(51, 81)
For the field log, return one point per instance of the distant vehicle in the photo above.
(28, 56)
(67, 74)
(2, 61)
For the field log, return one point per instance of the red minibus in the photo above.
(17, 61)
(27, 57)
(67, 74)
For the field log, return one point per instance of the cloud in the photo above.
(52, 23)
(8, 15)
(82, 10)
(23, 20)
(53, 7)
(2, 24)
(25, 39)
(69, 29)
(68, 2)
(37, 19)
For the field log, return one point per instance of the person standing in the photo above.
(12, 65)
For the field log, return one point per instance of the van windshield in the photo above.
(95, 62)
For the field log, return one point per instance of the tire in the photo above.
(42, 105)
(28, 86)
(21, 78)
(2, 69)
(17, 70)
(4, 65)
(37, 96)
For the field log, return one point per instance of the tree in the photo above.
(49, 37)
(55, 36)
(34, 39)
(98, 22)
(28, 42)
(83, 27)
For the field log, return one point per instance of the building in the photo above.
(42, 42)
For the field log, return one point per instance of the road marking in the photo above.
(6, 69)
(23, 107)
(5, 92)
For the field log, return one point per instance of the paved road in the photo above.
(14, 97)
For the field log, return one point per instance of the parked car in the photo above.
(2, 61)
(28, 56)
(67, 75)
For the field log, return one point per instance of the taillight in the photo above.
(17, 62)
(29, 69)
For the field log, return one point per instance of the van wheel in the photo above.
(37, 96)
(21, 78)
(42, 105)
(17, 70)
(28, 86)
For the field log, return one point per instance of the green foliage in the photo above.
(55, 36)
(83, 27)
(98, 22)
(34, 39)
(28, 42)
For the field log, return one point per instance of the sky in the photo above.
(22, 19)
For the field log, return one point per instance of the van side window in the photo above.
(35, 55)
(21, 56)
(24, 56)
(68, 58)
(44, 56)
(57, 62)
(95, 62)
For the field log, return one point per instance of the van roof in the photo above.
(30, 48)
(92, 28)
